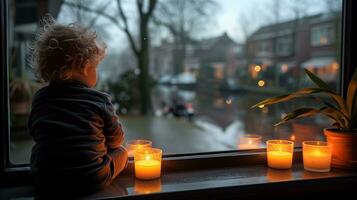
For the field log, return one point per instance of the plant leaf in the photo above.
(320, 83)
(305, 112)
(301, 112)
(338, 99)
(286, 97)
(337, 116)
(351, 94)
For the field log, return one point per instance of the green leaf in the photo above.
(286, 97)
(301, 112)
(305, 112)
(336, 116)
(338, 99)
(320, 83)
(351, 95)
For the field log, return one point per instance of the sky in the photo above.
(227, 18)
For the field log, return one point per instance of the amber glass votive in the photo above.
(280, 154)
(316, 156)
(249, 141)
(133, 145)
(147, 163)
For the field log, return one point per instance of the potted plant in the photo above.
(342, 111)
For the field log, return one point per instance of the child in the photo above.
(76, 131)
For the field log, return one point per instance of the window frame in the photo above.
(11, 175)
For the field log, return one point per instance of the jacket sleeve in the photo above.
(113, 131)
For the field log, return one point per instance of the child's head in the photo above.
(67, 52)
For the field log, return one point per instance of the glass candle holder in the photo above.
(249, 141)
(147, 163)
(134, 145)
(316, 156)
(280, 154)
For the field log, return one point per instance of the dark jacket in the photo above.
(73, 127)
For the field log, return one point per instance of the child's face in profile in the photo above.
(87, 75)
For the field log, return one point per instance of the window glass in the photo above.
(207, 63)
(322, 35)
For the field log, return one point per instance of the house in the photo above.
(284, 48)
(219, 54)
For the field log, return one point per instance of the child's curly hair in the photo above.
(61, 48)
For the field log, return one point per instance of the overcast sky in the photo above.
(227, 18)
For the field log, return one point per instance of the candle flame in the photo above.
(317, 153)
(249, 142)
(147, 157)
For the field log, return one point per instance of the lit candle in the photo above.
(147, 163)
(280, 154)
(316, 156)
(133, 145)
(249, 141)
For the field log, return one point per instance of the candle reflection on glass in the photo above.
(134, 145)
(280, 154)
(147, 163)
(249, 141)
(316, 156)
(279, 175)
(147, 187)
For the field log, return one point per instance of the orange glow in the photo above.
(257, 68)
(147, 187)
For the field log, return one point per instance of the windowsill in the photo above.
(221, 182)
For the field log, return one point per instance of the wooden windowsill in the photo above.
(226, 182)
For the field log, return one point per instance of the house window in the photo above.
(202, 90)
(284, 46)
(322, 35)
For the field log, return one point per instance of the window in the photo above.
(284, 46)
(322, 35)
(202, 86)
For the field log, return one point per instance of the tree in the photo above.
(139, 45)
(183, 19)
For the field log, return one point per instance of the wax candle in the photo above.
(249, 141)
(133, 145)
(147, 163)
(316, 156)
(280, 154)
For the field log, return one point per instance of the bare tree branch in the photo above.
(126, 28)
(100, 12)
(139, 5)
(152, 5)
(94, 20)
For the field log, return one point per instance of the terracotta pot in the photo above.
(344, 148)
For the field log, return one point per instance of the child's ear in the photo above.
(86, 68)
